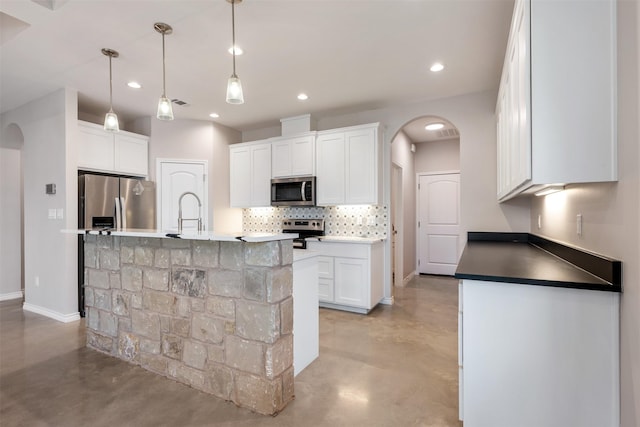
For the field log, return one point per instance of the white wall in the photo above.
(438, 156)
(49, 156)
(611, 211)
(402, 156)
(198, 140)
(10, 223)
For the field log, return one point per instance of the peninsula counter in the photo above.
(214, 311)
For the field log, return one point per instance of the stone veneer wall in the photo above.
(217, 316)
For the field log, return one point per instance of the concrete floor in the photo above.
(396, 366)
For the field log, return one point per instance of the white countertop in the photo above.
(302, 254)
(191, 235)
(346, 239)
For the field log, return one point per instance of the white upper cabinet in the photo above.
(349, 166)
(293, 156)
(556, 121)
(114, 152)
(250, 174)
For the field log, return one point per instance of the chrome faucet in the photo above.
(180, 219)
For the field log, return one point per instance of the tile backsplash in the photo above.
(360, 220)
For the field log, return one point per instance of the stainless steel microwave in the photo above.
(297, 191)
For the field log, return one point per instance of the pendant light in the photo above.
(110, 119)
(234, 86)
(165, 112)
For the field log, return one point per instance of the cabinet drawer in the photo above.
(325, 267)
(325, 290)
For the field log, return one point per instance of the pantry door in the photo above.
(438, 223)
(175, 177)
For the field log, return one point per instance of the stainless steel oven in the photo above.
(304, 228)
(297, 191)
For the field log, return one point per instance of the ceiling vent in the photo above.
(179, 102)
(448, 133)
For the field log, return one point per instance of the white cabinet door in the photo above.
(131, 154)
(95, 147)
(293, 156)
(303, 155)
(351, 281)
(330, 164)
(281, 159)
(250, 175)
(361, 166)
(240, 180)
(261, 175)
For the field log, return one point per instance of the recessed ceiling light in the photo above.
(134, 85)
(214, 115)
(239, 50)
(437, 67)
(434, 126)
(303, 97)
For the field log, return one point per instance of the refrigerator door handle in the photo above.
(123, 213)
(118, 214)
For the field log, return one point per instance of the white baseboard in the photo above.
(408, 278)
(387, 301)
(65, 318)
(10, 295)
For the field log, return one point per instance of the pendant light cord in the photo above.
(164, 88)
(110, 86)
(233, 35)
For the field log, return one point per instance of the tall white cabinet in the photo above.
(349, 165)
(250, 170)
(556, 121)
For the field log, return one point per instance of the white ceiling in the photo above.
(347, 55)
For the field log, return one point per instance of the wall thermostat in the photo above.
(50, 189)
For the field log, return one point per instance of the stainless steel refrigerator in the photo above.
(116, 202)
(112, 202)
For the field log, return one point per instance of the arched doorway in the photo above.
(417, 152)
(11, 213)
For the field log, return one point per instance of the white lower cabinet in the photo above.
(350, 275)
(534, 356)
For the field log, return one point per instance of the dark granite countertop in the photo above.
(529, 259)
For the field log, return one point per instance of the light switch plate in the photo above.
(60, 213)
(52, 214)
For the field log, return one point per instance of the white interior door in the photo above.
(438, 223)
(175, 177)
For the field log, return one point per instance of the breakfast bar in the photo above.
(213, 311)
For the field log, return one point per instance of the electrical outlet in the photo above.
(579, 224)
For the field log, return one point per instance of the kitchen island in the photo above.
(214, 311)
(538, 333)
